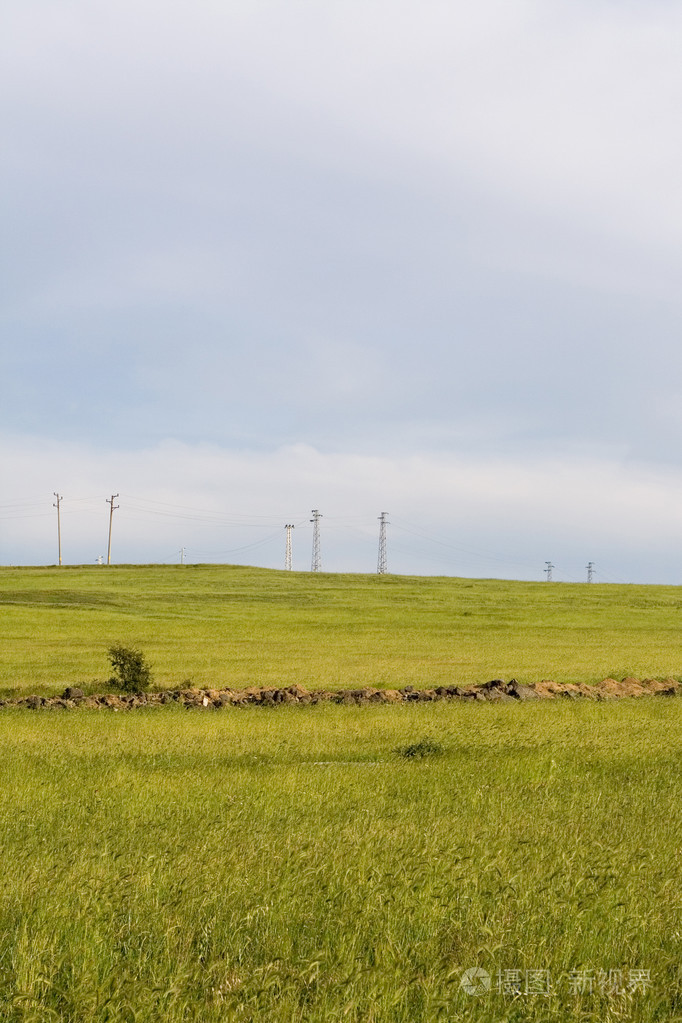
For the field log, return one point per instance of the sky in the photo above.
(423, 258)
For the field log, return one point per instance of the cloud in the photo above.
(439, 231)
(449, 515)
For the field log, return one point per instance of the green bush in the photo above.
(132, 673)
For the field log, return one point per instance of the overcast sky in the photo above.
(263, 257)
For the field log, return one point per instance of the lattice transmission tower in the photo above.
(548, 571)
(316, 565)
(287, 555)
(381, 560)
(590, 571)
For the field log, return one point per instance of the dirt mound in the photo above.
(496, 690)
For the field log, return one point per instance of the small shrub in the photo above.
(132, 673)
(419, 750)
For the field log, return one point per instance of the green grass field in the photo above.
(232, 626)
(291, 865)
(294, 864)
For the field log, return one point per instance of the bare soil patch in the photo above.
(496, 690)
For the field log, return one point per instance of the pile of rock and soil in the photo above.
(270, 696)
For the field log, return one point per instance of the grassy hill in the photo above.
(228, 625)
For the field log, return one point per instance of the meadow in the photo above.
(297, 865)
(324, 863)
(221, 625)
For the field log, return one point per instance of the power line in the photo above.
(405, 527)
(245, 547)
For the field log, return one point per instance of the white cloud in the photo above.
(449, 515)
(382, 225)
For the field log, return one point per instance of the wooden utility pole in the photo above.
(112, 509)
(59, 524)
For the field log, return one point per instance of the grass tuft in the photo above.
(418, 750)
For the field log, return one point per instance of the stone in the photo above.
(521, 692)
(72, 693)
(298, 691)
(390, 696)
(112, 701)
(497, 696)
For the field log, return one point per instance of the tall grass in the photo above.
(295, 865)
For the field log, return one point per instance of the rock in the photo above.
(298, 691)
(497, 696)
(72, 693)
(270, 696)
(112, 701)
(369, 695)
(496, 683)
(521, 692)
(389, 696)
(238, 699)
(190, 696)
(495, 690)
